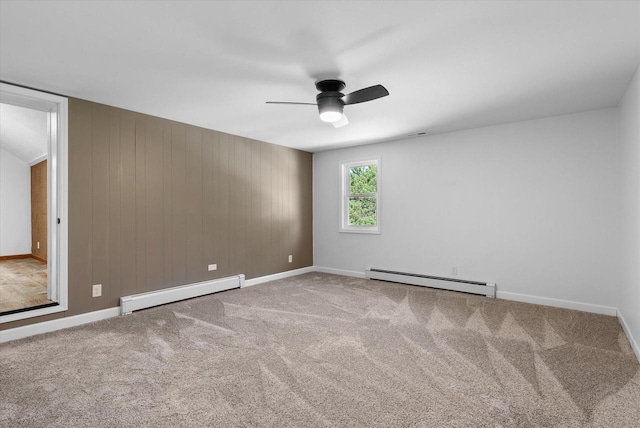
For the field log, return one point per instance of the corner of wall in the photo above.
(629, 149)
(627, 332)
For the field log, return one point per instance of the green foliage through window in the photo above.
(363, 186)
(363, 179)
(362, 211)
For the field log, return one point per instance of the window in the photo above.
(360, 190)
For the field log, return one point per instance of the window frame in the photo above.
(345, 194)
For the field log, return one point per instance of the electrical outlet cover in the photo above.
(96, 290)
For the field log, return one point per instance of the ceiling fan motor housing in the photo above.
(330, 98)
(330, 101)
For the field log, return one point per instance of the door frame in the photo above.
(57, 195)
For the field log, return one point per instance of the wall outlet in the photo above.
(454, 270)
(96, 290)
(38, 245)
(290, 258)
(212, 267)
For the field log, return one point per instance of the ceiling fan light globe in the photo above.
(330, 116)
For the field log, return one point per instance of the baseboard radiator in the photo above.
(476, 287)
(136, 302)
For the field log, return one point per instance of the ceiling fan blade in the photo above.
(342, 122)
(367, 94)
(293, 103)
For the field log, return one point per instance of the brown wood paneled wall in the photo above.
(152, 202)
(39, 210)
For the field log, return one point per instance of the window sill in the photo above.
(361, 231)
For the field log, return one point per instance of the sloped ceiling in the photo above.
(23, 132)
(447, 65)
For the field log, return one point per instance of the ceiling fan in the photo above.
(331, 101)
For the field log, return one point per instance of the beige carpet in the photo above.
(321, 350)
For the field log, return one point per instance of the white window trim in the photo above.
(344, 198)
(57, 170)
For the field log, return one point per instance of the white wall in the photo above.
(15, 205)
(630, 189)
(531, 205)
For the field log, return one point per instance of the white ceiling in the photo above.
(447, 65)
(23, 132)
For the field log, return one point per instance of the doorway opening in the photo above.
(33, 203)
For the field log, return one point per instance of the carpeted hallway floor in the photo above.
(321, 350)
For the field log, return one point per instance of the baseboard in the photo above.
(557, 303)
(23, 256)
(62, 323)
(525, 298)
(16, 256)
(66, 322)
(627, 331)
(57, 324)
(276, 276)
(40, 259)
(342, 272)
